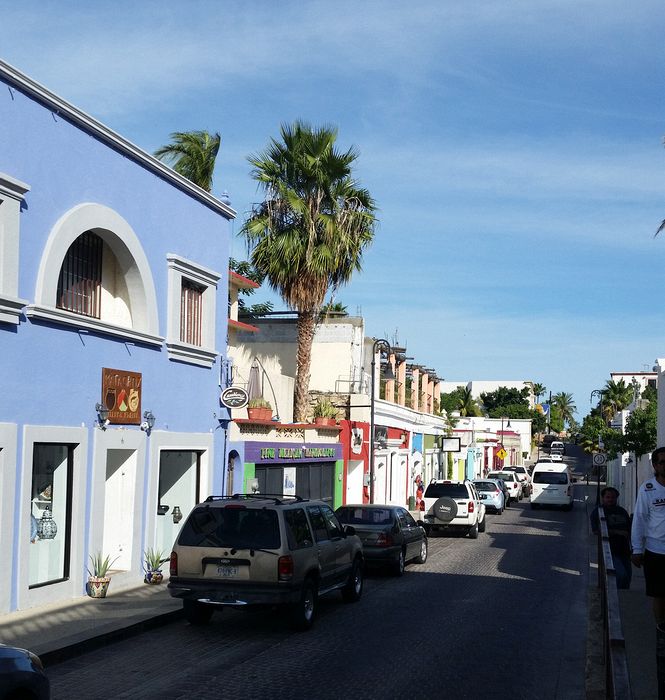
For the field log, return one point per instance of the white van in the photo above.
(551, 484)
(557, 448)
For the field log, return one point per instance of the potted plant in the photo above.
(324, 412)
(98, 579)
(259, 409)
(152, 565)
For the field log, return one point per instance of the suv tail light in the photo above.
(472, 506)
(384, 540)
(173, 565)
(285, 568)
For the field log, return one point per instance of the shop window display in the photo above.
(49, 513)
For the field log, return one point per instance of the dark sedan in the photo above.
(22, 675)
(390, 536)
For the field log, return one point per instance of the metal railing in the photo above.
(617, 681)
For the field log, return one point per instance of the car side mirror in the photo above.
(348, 530)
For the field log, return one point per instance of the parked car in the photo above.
(451, 505)
(491, 494)
(22, 675)
(552, 485)
(389, 534)
(511, 481)
(263, 550)
(524, 476)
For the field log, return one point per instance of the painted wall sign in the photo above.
(121, 394)
(260, 452)
(234, 397)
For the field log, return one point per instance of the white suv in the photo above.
(453, 505)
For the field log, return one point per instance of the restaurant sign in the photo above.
(121, 394)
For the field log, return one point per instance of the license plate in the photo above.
(227, 571)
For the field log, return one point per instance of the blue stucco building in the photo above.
(113, 314)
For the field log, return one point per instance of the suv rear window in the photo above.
(231, 527)
(485, 485)
(550, 478)
(450, 490)
(364, 516)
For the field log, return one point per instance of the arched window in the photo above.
(94, 274)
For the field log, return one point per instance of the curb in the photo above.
(50, 658)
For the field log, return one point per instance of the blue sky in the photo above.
(514, 149)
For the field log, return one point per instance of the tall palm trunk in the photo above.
(306, 327)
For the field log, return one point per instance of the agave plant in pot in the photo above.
(152, 565)
(325, 412)
(98, 578)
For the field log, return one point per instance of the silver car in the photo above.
(491, 494)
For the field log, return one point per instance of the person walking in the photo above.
(618, 529)
(648, 533)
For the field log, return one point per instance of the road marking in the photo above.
(566, 571)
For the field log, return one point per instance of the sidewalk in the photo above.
(60, 631)
(639, 630)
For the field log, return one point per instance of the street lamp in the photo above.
(599, 394)
(380, 343)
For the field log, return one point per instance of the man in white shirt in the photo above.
(648, 533)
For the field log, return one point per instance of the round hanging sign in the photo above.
(234, 397)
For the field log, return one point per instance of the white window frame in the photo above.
(180, 268)
(12, 192)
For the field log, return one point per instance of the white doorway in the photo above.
(119, 493)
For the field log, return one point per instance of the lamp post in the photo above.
(599, 394)
(380, 343)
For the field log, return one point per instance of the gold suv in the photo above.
(260, 549)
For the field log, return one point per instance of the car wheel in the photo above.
(473, 532)
(398, 564)
(354, 587)
(303, 612)
(422, 557)
(482, 525)
(500, 511)
(197, 613)
(568, 507)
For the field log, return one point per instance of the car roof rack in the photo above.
(277, 498)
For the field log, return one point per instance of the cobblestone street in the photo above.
(501, 616)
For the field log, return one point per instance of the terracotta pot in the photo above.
(255, 413)
(324, 421)
(97, 586)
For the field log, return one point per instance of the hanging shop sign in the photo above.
(234, 397)
(121, 394)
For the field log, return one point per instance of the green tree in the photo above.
(466, 404)
(450, 401)
(564, 403)
(616, 397)
(193, 155)
(538, 391)
(309, 233)
(503, 396)
(640, 433)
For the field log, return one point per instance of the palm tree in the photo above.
(193, 154)
(538, 390)
(566, 406)
(616, 397)
(466, 405)
(309, 233)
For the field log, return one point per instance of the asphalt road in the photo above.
(503, 616)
